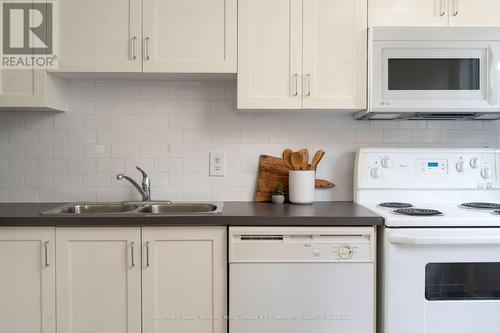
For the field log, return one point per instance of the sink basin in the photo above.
(179, 208)
(77, 209)
(137, 208)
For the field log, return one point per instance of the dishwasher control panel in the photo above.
(343, 251)
(330, 244)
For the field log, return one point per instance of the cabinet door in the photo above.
(22, 88)
(27, 280)
(100, 36)
(335, 53)
(476, 13)
(409, 12)
(269, 54)
(98, 280)
(184, 280)
(190, 36)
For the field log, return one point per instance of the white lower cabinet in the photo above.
(176, 276)
(184, 280)
(27, 280)
(98, 280)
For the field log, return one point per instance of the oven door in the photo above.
(441, 281)
(435, 76)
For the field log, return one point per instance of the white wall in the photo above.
(168, 128)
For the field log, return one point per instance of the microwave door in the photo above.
(432, 77)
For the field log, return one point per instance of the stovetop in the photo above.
(452, 215)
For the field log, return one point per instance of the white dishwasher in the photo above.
(301, 280)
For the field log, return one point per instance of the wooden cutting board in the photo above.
(272, 172)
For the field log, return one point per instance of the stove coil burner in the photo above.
(397, 205)
(481, 205)
(418, 212)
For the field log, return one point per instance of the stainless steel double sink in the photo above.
(138, 208)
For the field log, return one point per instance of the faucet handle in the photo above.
(144, 174)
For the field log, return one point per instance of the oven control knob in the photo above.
(345, 251)
(386, 162)
(461, 166)
(376, 172)
(474, 163)
(486, 173)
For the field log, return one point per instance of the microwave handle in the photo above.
(408, 240)
(494, 67)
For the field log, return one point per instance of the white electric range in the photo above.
(439, 252)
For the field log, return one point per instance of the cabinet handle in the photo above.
(308, 85)
(146, 46)
(295, 87)
(443, 9)
(134, 40)
(132, 258)
(455, 9)
(46, 253)
(147, 254)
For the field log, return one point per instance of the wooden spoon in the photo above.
(296, 160)
(287, 154)
(316, 159)
(305, 158)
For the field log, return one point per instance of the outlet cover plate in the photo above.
(217, 164)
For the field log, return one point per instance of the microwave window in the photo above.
(434, 74)
(462, 281)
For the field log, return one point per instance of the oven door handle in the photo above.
(494, 76)
(408, 240)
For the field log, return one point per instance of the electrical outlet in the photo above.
(217, 167)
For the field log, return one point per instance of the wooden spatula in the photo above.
(305, 158)
(316, 159)
(287, 155)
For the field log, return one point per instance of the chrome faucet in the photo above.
(145, 190)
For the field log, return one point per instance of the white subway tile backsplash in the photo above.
(23, 165)
(38, 151)
(81, 166)
(68, 151)
(68, 121)
(20, 137)
(39, 122)
(51, 166)
(82, 136)
(97, 151)
(56, 136)
(169, 128)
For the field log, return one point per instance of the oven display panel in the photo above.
(433, 167)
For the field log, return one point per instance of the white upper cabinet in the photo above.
(302, 54)
(99, 36)
(466, 13)
(151, 36)
(335, 53)
(477, 13)
(27, 280)
(409, 12)
(190, 36)
(269, 54)
(98, 280)
(31, 89)
(184, 274)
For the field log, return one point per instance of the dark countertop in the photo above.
(335, 213)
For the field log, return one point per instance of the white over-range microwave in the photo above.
(433, 73)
